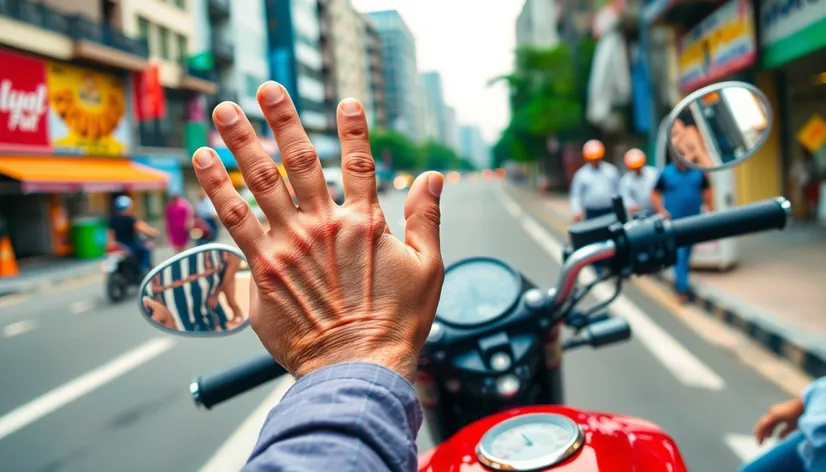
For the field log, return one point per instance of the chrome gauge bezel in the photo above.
(576, 440)
(516, 277)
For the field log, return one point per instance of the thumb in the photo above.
(151, 305)
(423, 216)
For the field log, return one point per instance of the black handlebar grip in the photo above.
(217, 388)
(760, 216)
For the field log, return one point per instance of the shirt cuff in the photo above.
(368, 372)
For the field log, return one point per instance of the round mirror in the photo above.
(202, 291)
(719, 126)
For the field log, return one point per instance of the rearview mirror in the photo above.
(203, 291)
(719, 126)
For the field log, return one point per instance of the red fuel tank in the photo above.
(610, 443)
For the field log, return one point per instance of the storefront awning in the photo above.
(76, 174)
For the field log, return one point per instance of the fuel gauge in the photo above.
(529, 442)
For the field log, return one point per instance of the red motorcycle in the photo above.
(489, 376)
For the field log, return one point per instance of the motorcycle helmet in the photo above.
(593, 150)
(634, 159)
(122, 203)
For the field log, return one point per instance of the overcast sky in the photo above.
(467, 52)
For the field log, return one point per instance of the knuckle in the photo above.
(284, 117)
(302, 159)
(355, 132)
(263, 178)
(360, 164)
(235, 213)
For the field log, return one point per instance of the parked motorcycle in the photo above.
(489, 374)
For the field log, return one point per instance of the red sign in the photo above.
(23, 103)
(150, 99)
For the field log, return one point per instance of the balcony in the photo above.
(223, 50)
(198, 80)
(86, 39)
(218, 8)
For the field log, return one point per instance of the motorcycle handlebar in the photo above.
(212, 390)
(760, 216)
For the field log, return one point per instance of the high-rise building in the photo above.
(352, 66)
(536, 25)
(298, 61)
(472, 146)
(377, 114)
(400, 71)
(451, 129)
(435, 110)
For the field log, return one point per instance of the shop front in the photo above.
(793, 47)
(64, 137)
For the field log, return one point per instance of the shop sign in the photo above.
(723, 43)
(813, 133)
(54, 107)
(23, 104)
(791, 28)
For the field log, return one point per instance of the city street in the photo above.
(89, 386)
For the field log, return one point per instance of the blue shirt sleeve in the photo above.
(812, 424)
(347, 417)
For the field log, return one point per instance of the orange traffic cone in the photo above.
(8, 263)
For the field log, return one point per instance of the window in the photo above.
(163, 37)
(143, 28)
(182, 47)
(180, 3)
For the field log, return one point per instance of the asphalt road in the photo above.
(87, 386)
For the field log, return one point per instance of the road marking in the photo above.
(80, 306)
(689, 370)
(745, 447)
(19, 327)
(69, 392)
(233, 454)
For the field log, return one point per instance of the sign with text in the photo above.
(723, 43)
(790, 29)
(23, 103)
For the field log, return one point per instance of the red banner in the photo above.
(23, 103)
(150, 100)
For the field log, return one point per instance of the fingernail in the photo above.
(271, 93)
(350, 107)
(203, 157)
(226, 114)
(435, 184)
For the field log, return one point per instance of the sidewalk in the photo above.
(42, 273)
(775, 294)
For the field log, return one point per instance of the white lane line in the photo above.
(71, 391)
(233, 454)
(745, 447)
(689, 370)
(18, 327)
(80, 306)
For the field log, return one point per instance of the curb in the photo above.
(21, 287)
(805, 351)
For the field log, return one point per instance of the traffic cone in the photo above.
(8, 263)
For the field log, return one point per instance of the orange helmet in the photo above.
(593, 150)
(634, 159)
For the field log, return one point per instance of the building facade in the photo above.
(352, 66)
(400, 74)
(435, 110)
(451, 129)
(472, 146)
(377, 113)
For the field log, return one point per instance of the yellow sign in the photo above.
(90, 107)
(813, 133)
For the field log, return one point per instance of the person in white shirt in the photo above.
(594, 184)
(637, 184)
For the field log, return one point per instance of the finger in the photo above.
(300, 158)
(357, 165)
(422, 215)
(259, 170)
(764, 428)
(787, 429)
(233, 211)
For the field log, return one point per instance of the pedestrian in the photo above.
(205, 211)
(178, 222)
(594, 184)
(681, 192)
(803, 433)
(636, 184)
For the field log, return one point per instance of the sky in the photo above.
(468, 42)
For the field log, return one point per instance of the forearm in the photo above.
(708, 199)
(345, 417)
(657, 201)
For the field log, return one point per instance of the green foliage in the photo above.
(548, 89)
(404, 154)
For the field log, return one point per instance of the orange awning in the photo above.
(75, 174)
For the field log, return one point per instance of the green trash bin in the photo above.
(89, 237)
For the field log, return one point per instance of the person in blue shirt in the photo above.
(802, 423)
(681, 192)
(340, 302)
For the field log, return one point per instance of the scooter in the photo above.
(122, 270)
(489, 373)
